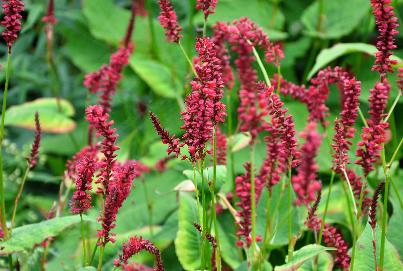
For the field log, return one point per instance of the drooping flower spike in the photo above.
(33, 157)
(12, 21)
(136, 245)
(374, 204)
(169, 21)
(305, 183)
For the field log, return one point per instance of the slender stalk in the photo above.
(253, 200)
(150, 17)
(385, 209)
(290, 241)
(278, 81)
(231, 173)
(363, 119)
(213, 209)
(353, 222)
(83, 240)
(188, 59)
(261, 66)
(395, 153)
(149, 207)
(204, 217)
(350, 191)
(322, 225)
(204, 26)
(3, 115)
(393, 106)
(17, 198)
(94, 252)
(10, 262)
(101, 257)
(320, 15)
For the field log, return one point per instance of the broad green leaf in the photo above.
(51, 119)
(329, 54)
(157, 76)
(279, 215)
(87, 268)
(245, 267)
(324, 263)
(300, 256)
(26, 237)
(208, 175)
(227, 242)
(340, 17)
(364, 256)
(240, 141)
(395, 233)
(188, 241)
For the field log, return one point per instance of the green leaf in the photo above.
(240, 141)
(329, 54)
(51, 119)
(324, 263)
(302, 255)
(26, 237)
(221, 176)
(395, 233)
(188, 241)
(340, 18)
(227, 243)
(87, 268)
(364, 256)
(157, 76)
(245, 267)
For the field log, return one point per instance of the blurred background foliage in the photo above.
(157, 79)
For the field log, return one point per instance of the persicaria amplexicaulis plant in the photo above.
(273, 168)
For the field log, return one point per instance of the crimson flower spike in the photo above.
(169, 21)
(99, 120)
(11, 21)
(305, 183)
(374, 204)
(33, 157)
(50, 14)
(136, 245)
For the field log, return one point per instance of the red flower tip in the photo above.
(305, 183)
(33, 157)
(136, 245)
(50, 18)
(11, 21)
(169, 21)
(374, 204)
(207, 6)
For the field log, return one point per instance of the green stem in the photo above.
(393, 106)
(17, 198)
(362, 117)
(353, 228)
(253, 201)
(261, 66)
(231, 173)
(204, 26)
(218, 250)
(188, 59)
(322, 225)
(350, 192)
(10, 262)
(154, 48)
(394, 155)
(290, 239)
(83, 240)
(279, 79)
(385, 209)
(205, 219)
(3, 115)
(94, 252)
(320, 15)
(101, 257)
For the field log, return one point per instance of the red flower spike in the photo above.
(374, 204)
(33, 157)
(90, 152)
(172, 141)
(136, 245)
(204, 108)
(305, 183)
(11, 21)
(387, 25)
(219, 38)
(207, 6)
(81, 200)
(99, 120)
(50, 18)
(119, 189)
(221, 147)
(169, 21)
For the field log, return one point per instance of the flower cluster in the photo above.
(89, 152)
(106, 79)
(386, 22)
(221, 147)
(305, 183)
(11, 21)
(119, 189)
(169, 21)
(50, 18)
(136, 245)
(207, 6)
(99, 120)
(374, 203)
(204, 109)
(213, 243)
(172, 141)
(33, 157)
(81, 199)
(331, 236)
